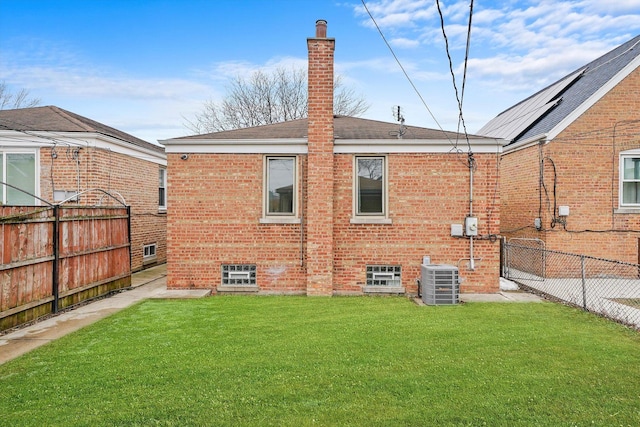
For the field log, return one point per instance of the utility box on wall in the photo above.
(440, 284)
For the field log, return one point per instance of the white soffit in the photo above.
(511, 123)
(236, 146)
(358, 146)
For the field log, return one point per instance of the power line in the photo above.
(406, 74)
(459, 97)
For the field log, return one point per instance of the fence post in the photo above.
(584, 284)
(56, 259)
(129, 237)
(507, 258)
(502, 249)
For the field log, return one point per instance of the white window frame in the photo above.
(3, 159)
(371, 218)
(162, 171)
(153, 247)
(631, 154)
(275, 217)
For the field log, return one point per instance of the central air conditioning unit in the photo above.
(440, 284)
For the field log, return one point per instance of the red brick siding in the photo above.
(215, 205)
(135, 179)
(319, 218)
(586, 156)
(427, 193)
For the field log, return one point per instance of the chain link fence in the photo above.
(609, 288)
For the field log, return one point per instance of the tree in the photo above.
(20, 99)
(266, 98)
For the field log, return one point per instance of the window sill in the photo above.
(162, 210)
(384, 290)
(149, 260)
(237, 289)
(279, 220)
(627, 210)
(370, 220)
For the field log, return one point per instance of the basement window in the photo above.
(238, 274)
(384, 279)
(65, 196)
(149, 252)
(384, 275)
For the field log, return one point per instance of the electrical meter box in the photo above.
(471, 226)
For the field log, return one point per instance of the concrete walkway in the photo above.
(149, 283)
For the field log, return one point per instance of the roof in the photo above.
(344, 127)
(547, 110)
(55, 119)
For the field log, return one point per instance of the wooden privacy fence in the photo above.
(54, 256)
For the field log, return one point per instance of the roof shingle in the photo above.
(55, 119)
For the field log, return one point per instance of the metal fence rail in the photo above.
(609, 288)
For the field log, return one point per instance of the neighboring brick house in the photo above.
(570, 174)
(55, 154)
(329, 205)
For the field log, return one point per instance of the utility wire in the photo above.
(406, 74)
(455, 86)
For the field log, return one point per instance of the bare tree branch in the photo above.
(20, 99)
(267, 98)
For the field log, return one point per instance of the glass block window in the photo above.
(384, 275)
(238, 274)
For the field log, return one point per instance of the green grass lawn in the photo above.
(297, 361)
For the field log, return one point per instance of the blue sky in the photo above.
(143, 65)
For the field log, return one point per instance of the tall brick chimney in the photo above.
(319, 206)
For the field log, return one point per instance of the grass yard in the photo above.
(298, 361)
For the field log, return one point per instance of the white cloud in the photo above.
(617, 6)
(404, 43)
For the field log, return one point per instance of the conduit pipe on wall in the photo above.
(472, 162)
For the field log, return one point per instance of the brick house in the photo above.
(329, 204)
(54, 155)
(570, 174)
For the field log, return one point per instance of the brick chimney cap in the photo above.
(321, 29)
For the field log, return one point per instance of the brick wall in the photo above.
(214, 211)
(215, 206)
(586, 159)
(135, 179)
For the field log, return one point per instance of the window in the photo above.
(18, 169)
(370, 186)
(162, 188)
(384, 275)
(280, 187)
(238, 274)
(64, 195)
(149, 251)
(630, 194)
